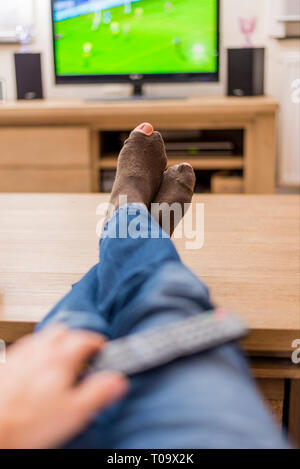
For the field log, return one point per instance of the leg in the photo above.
(79, 308)
(204, 401)
(141, 164)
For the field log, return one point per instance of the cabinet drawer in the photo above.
(44, 146)
(45, 180)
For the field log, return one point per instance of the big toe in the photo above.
(148, 149)
(145, 128)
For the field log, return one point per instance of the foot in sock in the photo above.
(177, 186)
(141, 165)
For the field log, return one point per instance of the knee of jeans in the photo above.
(176, 279)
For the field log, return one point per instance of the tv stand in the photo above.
(137, 95)
(59, 146)
(137, 91)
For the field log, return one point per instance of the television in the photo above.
(135, 41)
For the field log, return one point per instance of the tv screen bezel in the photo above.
(134, 77)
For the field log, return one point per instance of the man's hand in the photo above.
(42, 404)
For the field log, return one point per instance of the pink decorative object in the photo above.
(248, 26)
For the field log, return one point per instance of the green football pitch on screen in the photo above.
(143, 37)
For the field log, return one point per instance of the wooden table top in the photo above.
(250, 259)
(112, 113)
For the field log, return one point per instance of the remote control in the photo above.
(137, 353)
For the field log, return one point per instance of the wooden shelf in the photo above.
(205, 162)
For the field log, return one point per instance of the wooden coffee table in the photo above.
(250, 260)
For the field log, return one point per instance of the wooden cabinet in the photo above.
(45, 159)
(54, 146)
(45, 180)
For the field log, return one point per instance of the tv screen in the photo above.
(107, 40)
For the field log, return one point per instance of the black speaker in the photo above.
(29, 76)
(246, 72)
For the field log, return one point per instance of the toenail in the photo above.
(145, 128)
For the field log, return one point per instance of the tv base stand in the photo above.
(134, 97)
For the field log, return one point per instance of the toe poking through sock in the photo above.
(145, 128)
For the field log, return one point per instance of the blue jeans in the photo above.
(203, 401)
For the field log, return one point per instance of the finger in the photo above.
(33, 348)
(28, 347)
(53, 333)
(99, 391)
(77, 349)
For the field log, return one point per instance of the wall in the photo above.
(230, 37)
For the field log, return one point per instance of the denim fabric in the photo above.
(204, 401)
